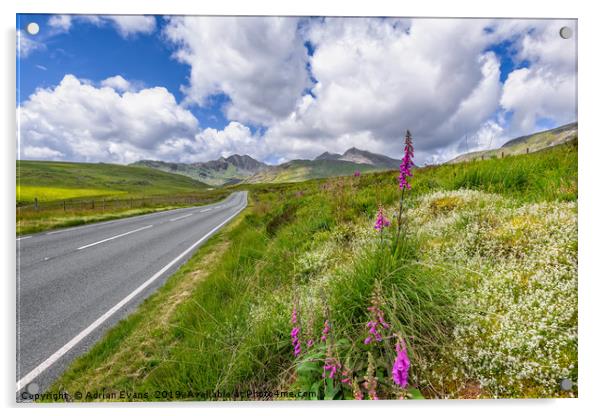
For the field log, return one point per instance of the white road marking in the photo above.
(23, 238)
(205, 210)
(77, 339)
(179, 218)
(114, 237)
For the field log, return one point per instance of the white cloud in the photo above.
(60, 22)
(42, 152)
(539, 92)
(133, 25)
(117, 82)
(379, 77)
(258, 62)
(86, 123)
(126, 25)
(26, 45)
(548, 88)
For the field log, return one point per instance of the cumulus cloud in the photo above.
(80, 122)
(547, 89)
(379, 77)
(125, 25)
(117, 82)
(258, 62)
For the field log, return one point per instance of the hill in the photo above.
(525, 144)
(301, 170)
(325, 165)
(223, 171)
(50, 181)
(486, 243)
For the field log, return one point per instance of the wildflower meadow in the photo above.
(451, 281)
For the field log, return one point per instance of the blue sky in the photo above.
(192, 89)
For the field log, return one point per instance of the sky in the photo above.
(118, 89)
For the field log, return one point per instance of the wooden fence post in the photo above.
(35, 203)
(527, 150)
(92, 204)
(64, 206)
(502, 155)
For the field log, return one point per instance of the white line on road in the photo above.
(114, 237)
(23, 238)
(205, 210)
(65, 348)
(179, 218)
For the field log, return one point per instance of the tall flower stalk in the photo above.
(405, 172)
(295, 332)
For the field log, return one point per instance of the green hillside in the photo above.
(49, 181)
(530, 143)
(482, 286)
(302, 170)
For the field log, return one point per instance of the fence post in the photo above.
(527, 150)
(103, 204)
(35, 203)
(92, 204)
(131, 202)
(64, 206)
(502, 155)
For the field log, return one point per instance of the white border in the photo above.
(589, 186)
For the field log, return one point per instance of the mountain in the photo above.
(325, 165)
(237, 168)
(301, 170)
(524, 144)
(362, 157)
(223, 171)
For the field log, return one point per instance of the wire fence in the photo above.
(114, 204)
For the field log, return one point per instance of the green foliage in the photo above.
(313, 242)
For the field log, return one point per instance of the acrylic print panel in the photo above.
(295, 208)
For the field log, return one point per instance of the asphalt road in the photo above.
(73, 284)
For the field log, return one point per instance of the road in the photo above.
(74, 284)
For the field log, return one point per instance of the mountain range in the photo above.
(236, 168)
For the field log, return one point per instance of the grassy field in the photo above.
(72, 194)
(481, 288)
(50, 181)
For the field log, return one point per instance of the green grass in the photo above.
(313, 243)
(94, 192)
(50, 181)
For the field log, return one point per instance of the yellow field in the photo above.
(45, 194)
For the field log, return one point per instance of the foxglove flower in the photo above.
(357, 173)
(295, 333)
(381, 220)
(401, 366)
(376, 324)
(405, 169)
(325, 331)
(331, 365)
